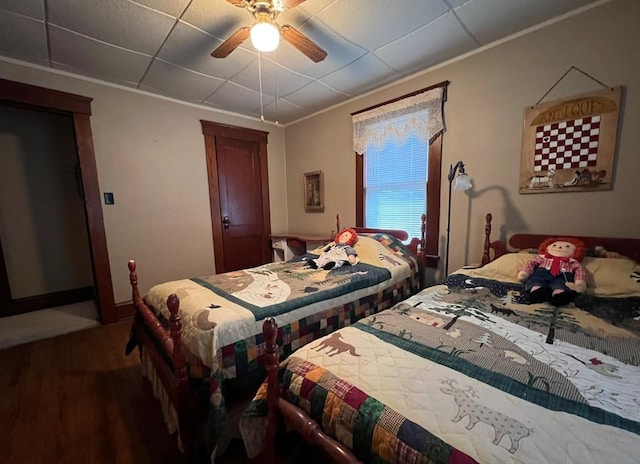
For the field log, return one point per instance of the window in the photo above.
(398, 173)
(395, 188)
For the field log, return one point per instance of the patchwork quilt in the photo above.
(219, 311)
(468, 371)
(222, 315)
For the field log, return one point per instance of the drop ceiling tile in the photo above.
(361, 76)
(283, 111)
(114, 40)
(340, 52)
(491, 20)
(31, 8)
(294, 17)
(276, 80)
(23, 38)
(94, 58)
(313, 7)
(388, 20)
(191, 48)
(217, 17)
(238, 99)
(178, 82)
(316, 96)
(438, 41)
(118, 22)
(170, 7)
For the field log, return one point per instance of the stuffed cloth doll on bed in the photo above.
(339, 252)
(555, 274)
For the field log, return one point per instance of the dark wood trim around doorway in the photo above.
(79, 108)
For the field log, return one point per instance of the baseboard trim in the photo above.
(49, 300)
(125, 310)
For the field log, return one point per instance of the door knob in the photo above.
(226, 222)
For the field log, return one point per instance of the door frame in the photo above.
(211, 130)
(79, 108)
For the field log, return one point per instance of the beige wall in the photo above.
(484, 114)
(150, 153)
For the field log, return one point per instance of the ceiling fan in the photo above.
(265, 33)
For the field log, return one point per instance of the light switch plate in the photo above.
(108, 198)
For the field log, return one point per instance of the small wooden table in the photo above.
(287, 245)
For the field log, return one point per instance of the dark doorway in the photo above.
(43, 226)
(78, 110)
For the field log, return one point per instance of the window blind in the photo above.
(395, 186)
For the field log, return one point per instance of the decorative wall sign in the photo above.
(569, 145)
(313, 192)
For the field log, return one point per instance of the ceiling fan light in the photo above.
(265, 36)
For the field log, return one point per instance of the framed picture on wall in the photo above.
(569, 145)
(313, 192)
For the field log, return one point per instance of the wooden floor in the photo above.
(77, 398)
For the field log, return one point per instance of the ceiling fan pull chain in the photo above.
(260, 79)
(275, 88)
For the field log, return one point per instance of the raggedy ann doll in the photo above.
(555, 274)
(339, 252)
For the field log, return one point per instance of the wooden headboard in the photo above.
(417, 245)
(629, 247)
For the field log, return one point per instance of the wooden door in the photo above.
(239, 196)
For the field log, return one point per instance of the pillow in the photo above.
(505, 268)
(612, 277)
(605, 277)
(602, 252)
(531, 251)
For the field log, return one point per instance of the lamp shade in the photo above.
(463, 182)
(265, 36)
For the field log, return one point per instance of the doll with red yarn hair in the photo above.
(339, 252)
(555, 274)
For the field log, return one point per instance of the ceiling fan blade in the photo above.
(231, 43)
(240, 3)
(288, 3)
(302, 43)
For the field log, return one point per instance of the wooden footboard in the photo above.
(161, 344)
(280, 410)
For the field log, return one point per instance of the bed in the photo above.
(196, 336)
(467, 372)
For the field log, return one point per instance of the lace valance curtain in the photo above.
(419, 115)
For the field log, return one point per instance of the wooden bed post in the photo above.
(423, 233)
(280, 409)
(179, 362)
(176, 383)
(185, 421)
(133, 279)
(270, 330)
(486, 256)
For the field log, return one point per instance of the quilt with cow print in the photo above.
(464, 372)
(221, 310)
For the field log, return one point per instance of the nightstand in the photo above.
(287, 245)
